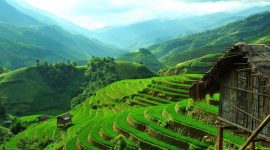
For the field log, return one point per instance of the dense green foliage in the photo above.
(100, 72)
(29, 144)
(5, 134)
(214, 41)
(142, 56)
(58, 75)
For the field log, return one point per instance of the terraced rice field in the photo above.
(145, 113)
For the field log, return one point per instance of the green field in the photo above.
(147, 113)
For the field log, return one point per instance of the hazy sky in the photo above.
(94, 14)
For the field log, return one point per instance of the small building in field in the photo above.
(242, 76)
(43, 118)
(63, 120)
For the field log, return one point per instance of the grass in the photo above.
(121, 123)
(98, 128)
(153, 98)
(138, 116)
(146, 101)
(173, 115)
(149, 60)
(169, 89)
(132, 70)
(29, 118)
(166, 92)
(24, 92)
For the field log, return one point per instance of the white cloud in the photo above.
(93, 14)
(59, 7)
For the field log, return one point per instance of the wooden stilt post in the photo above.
(256, 132)
(253, 145)
(220, 138)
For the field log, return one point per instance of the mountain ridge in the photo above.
(32, 40)
(217, 40)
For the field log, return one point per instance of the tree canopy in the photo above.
(100, 72)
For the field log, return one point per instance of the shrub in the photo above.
(17, 126)
(5, 134)
(28, 144)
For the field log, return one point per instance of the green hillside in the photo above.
(23, 39)
(197, 65)
(149, 113)
(142, 56)
(214, 41)
(11, 15)
(27, 91)
(24, 91)
(154, 31)
(21, 46)
(132, 70)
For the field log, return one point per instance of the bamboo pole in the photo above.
(256, 132)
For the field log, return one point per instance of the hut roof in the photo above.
(67, 116)
(256, 56)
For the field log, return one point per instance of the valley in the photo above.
(71, 80)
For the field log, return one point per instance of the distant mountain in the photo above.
(9, 14)
(24, 40)
(142, 56)
(50, 19)
(150, 32)
(254, 29)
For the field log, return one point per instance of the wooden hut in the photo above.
(43, 118)
(242, 77)
(64, 119)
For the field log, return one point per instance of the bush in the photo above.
(28, 144)
(3, 70)
(5, 134)
(57, 74)
(17, 126)
(100, 72)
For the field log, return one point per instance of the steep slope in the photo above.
(136, 114)
(142, 56)
(26, 91)
(24, 39)
(49, 19)
(212, 41)
(146, 33)
(197, 65)
(132, 70)
(50, 43)
(11, 15)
